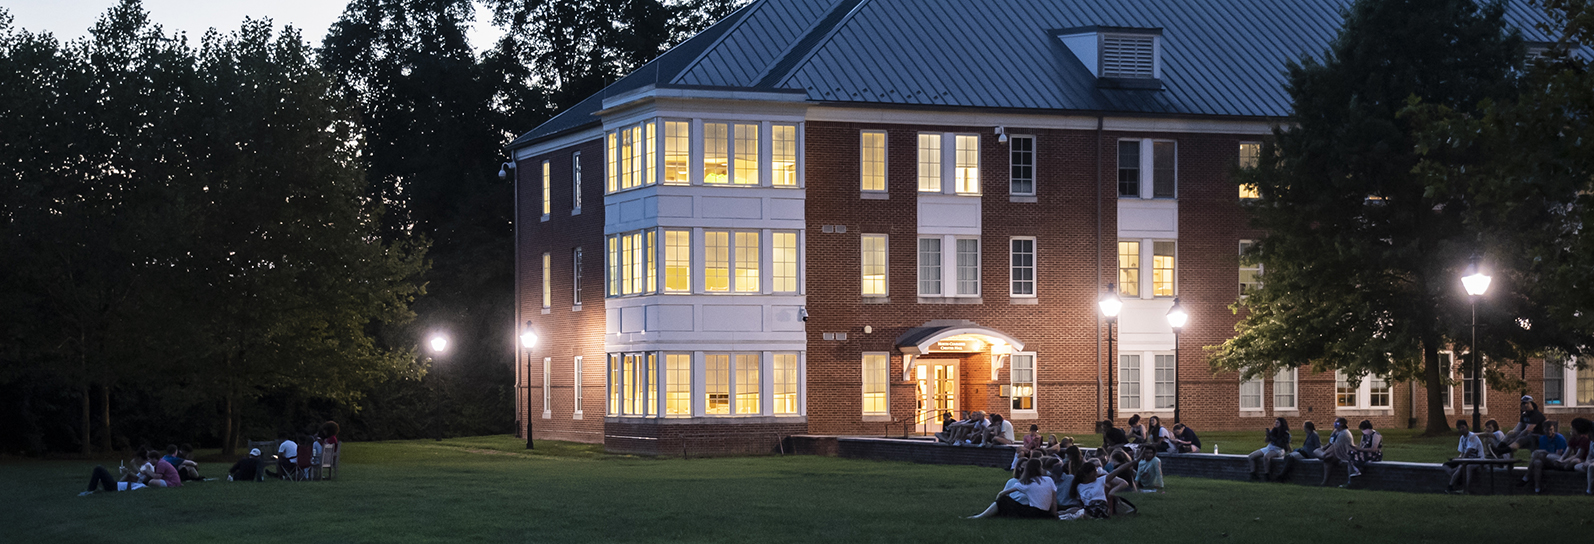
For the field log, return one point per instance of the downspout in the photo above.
(1099, 123)
(514, 182)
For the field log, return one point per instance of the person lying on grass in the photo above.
(129, 481)
(1029, 495)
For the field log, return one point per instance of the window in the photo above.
(631, 264)
(1344, 391)
(575, 181)
(1370, 392)
(547, 386)
(716, 153)
(784, 261)
(929, 163)
(547, 191)
(649, 170)
(1129, 269)
(929, 266)
(745, 155)
(547, 281)
(1284, 390)
(613, 157)
(1128, 56)
(872, 161)
(746, 262)
(1585, 387)
(1467, 387)
(967, 175)
(1165, 381)
(717, 383)
(1378, 392)
(650, 405)
(1129, 168)
(1022, 377)
(1250, 271)
(1162, 269)
(1447, 368)
(875, 376)
(747, 367)
(576, 384)
(1250, 157)
(677, 261)
(678, 384)
(1251, 395)
(1164, 180)
(968, 266)
(874, 265)
(575, 276)
(1023, 267)
(631, 156)
(783, 153)
(628, 384)
(1021, 149)
(785, 382)
(1129, 382)
(614, 384)
(1554, 381)
(716, 261)
(677, 152)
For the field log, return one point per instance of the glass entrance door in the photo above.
(937, 385)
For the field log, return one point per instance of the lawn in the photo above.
(488, 489)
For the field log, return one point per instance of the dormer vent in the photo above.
(1119, 57)
(1128, 55)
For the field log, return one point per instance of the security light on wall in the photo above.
(802, 314)
(505, 169)
(1001, 134)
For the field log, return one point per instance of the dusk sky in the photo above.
(70, 19)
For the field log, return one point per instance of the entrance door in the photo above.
(937, 385)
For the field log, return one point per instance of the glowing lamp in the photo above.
(1177, 317)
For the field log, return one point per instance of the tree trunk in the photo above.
(1433, 377)
(229, 441)
(105, 402)
(88, 424)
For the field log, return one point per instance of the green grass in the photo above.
(1399, 444)
(490, 489)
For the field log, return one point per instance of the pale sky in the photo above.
(71, 19)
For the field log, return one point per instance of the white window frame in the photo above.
(1147, 168)
(547, 189)
(1294, 382)
(885, 264)
(575, 276)
(732, 251)
(1013, 268)
(1570, 378)
(547, 281)
(796, 383)
(1145, 376)
(1483, 389)
(576, 387)
(936, 173)
(1260, 394)
(1130, 381)
(1033, 167)
(938, 264)
(1256, 267)
(1033, 411)
(881, 381)
(773, 285)
(978, 166)
(618, 266)
(575, 183)
(1249, 192)
(885, 161)
(959, 268)
(547, 387)
(1364, 394)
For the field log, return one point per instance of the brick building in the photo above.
(851, 216)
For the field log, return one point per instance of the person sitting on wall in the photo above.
(998, 432)
(1135, 430)
(1491, 437)
(950, 427)
(1308, 449)
(1470, 446)
(1278, 442)
(1552, 445)
(1371, 448)
(1160, 437)
(1185, 439)
(129, 480)
(1148, 471)
(1576, 447)
(248, 468)
(1585, 466)
(1033, 440)
(1530, 424)
(1339, 451)
(1113, 437)
(1029, 496)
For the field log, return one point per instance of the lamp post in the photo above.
(528, 340)
(1110, 306)
(438, 343)
(1476, 283)
(1176, 319)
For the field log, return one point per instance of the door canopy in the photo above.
(956, 336)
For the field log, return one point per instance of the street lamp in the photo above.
(1476, 283)
(1110, 306)
(1176, 319)
(528, 340)
(439, 343)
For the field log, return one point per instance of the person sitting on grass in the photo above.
(1094, 492)
(1062, 474)
(1278, 443)
(247, 469)
(1148, 472)
(165, 474)
(1339, 451)
(1308, 449)
(1033, 440)
(1552, 445)
(999, 432)
(187, 468)
(1185, 439)
(1469, 447)
(129, 481)
(1530, 424)
(1028, 496)
(171, 455)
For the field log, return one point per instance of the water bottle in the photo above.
(1214, 448)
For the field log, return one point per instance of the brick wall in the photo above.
(670, 439)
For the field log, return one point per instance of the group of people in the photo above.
(1342, 449)
(1056, 479)
(976, 430)
(1151, 433)
(149, 468)
(1541, 437)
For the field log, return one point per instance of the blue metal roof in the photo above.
(1219, 57)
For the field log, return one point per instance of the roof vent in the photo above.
(1119, 57)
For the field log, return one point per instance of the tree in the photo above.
(1362, 262)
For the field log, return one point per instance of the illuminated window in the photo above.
(1368, 392)
(646, 388)
(678, 261)
(1023, 381)
(1344, 391)
(1250, 271)
(1585, 387)
(1129, 269)
(650, 267)
(650, 146)
(716, 153)
(547, 386)
(547, 190)
(929, 163)
(547, 281)
(628, 384)
(677, 152)
(746, 262)
(1284, 385)
(639, 169)
(967, 175)
(1162, 269)
(783, 153)
(575, 181)
(746, 159)
(1251, 394)
(968, 266)
(613, 172)
(614, 384)
(1250, 156)
(576, 385)
(678, 384)
(627, 158)
(717, 383)
(784, 261)
(1021, 259)
(614, 266)
(631, 264)
(874, 264)
(1164, 381)
(1378, 392)
(872, 150)
(1129, 168)
(875, 377)
(1021, 151)
(731, 261)
(784, 381)
(1129, 382)
(929, 267)
(747, 383)
(716, 261)
(1164, 180)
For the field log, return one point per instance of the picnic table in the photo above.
(1488, 464)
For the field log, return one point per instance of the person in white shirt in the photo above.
(1036, 490)
(1470, 446)
(287, 456)
(999, 432)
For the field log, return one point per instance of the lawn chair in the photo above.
(303, 463)
(329, 461)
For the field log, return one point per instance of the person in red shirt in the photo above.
(165, 474)
(1576, 448)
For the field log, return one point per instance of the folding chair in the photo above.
(329, 461)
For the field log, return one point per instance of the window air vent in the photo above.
(1128, 56)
